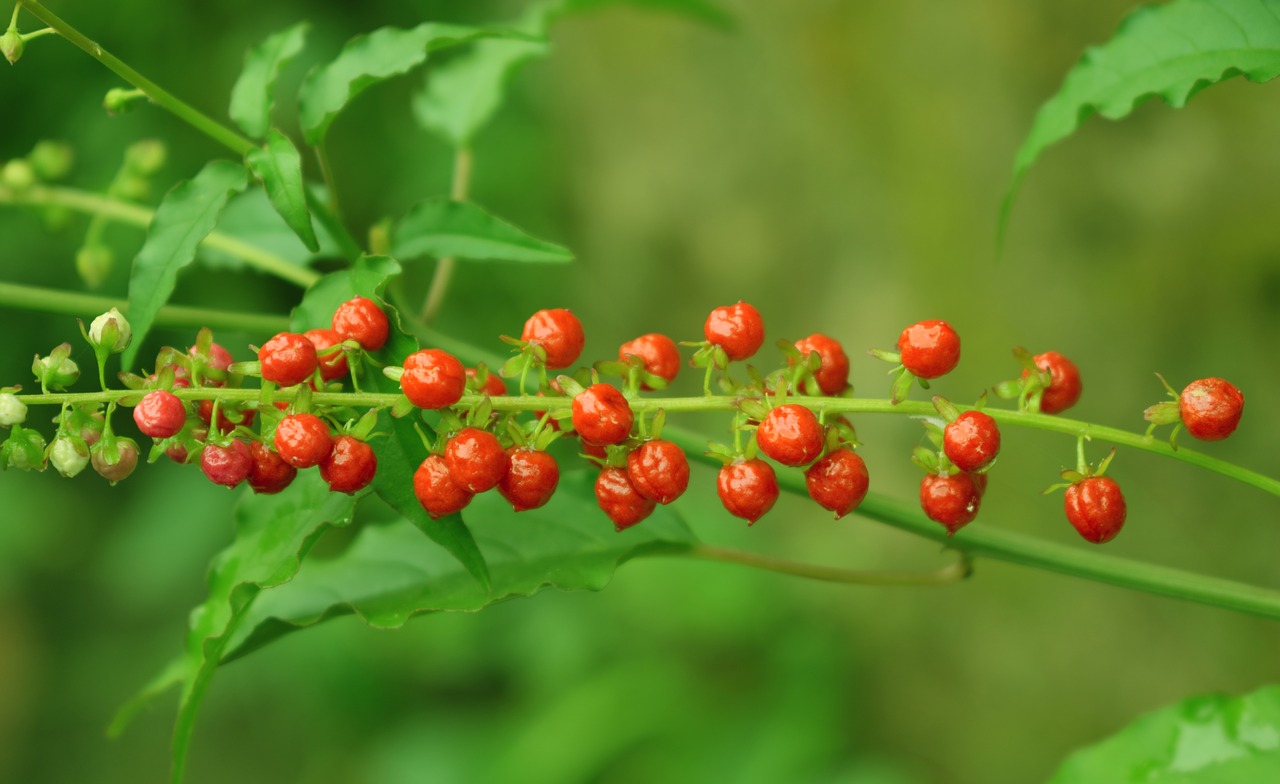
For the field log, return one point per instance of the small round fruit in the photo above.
(1064, 384)
(951, 500)
(838, 482)
(333, 366)
(929, 349)
(531, 479)
(658, 352)
(350, 467)
(360, 319)
(972, 441)
(303, 440)
(832, 374)
(160, 414)
(436, 490)
(287, 359)
(560, 335)
(620, 500)
(269, 473)
(1095, 506)
(476, 460)
(738, 329)
(226, 465)
(126, 460)
(602, 415)
(1211, 408)
(748, 489)
(791, 435)
(493, 383)
(433, 378)
(659, 470)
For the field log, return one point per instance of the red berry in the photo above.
(791, 435)
(269, 473)
(1211, 408)
(287, 359)
(476, 460)
(226, 465)
(433, 378)
(333, 366)
(738, 329)
(659, 470)
(303, 440)
(838, 482)
(160, 414)
(361, 320)
(228, 419)
(601, 415)
(950, 500)
(748, 489)
(559, 333)
(531, 480)
(658, 352)
(833, 374)
(1095, 506)
(127, 460)
(218, 358)
(929, 349)
(1064, 384)
(620, 500)
(493, 383)
(972, 441)
(350, 466)
(436, 490)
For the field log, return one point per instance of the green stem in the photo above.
(34, 34)
(444, 269)
(955, 572)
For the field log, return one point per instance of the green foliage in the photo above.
(252, 97)
(250, 218)
(441, 227)
(279, 167)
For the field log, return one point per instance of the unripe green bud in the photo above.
(24, 450)
(69, 455)
(111, 330)
(58, 370)
(18, 175)
(145, 157)
(12, 410)
(93, 262)
(51, 160)
(11, 46)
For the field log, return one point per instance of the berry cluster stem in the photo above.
(458, 191)
(951, 573)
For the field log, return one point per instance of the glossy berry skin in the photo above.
(972, 441)
(1064, 386)
(838, 482)
(929, 349)
(218, 358)
(1211, 408)
(288, 359)
(360, 319)
(531, 479)
(226, 465)
(791, 435)
(950, 500)
(350, 467)
(433, 378)
(560, 334)
(833, 374)
(1096, 508)
(303, 440)
(602, 415)
(659, 470)
(160, 414)
(334, 366)
(738, 329)
(748, 489)
(620, 500)
(476, 460)
(659, 353)
(269, 473)
(493, 383)
(436, 490)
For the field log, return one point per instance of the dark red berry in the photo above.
(659, 470)
(228, 418)
(287, 359)
(476, 460)
(1095, 506)
(620, 500)
(1211, 408)
(226, 465)
(791, 435)
(838, 482)
(559, 333)
(1064, 385)
(269, 473)
(361, 320)
(972, 441)
(433, 378)
(601, 415)
(658, 352)
(160, 414)
(748, 489)
(303, 440)
(929, 349)
(738, 329)
(531, 479)
(333, 366)
(950, 500)
(350, 467)
(436, 490)
(493, 383)
(833, 374)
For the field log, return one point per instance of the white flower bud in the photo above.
(113, 327)
(12, 410)
(69, 455)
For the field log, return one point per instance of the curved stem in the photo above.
(951, 573)
(444, 269)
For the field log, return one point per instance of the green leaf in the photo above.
(279, 167)
(1172, 52)
(251, 98)
(250, 218)
(365, 61)
(388, 575)
(701, 10)
(185, 217)
(1218, 739)
(440, 228)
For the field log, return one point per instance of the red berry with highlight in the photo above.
(620, 500)
(791, 435)
(972, 441)
(1096, 508)
(1064, 385)
(226, 465)
(748, 489)
(560, 335)
(350, 467)
(160, 414)
(659, 353)
(303, 440)
(476, 460)
(360, 319)
(838, 482)
(929, 349)
(333, 366)
(531, 478)
(433, 378)
(1211, 408)
(659, 470)
(602, 415)
(950, 500)
(832, 374)
(269, 473)
(288, 359)
(436, 490)
(738, 329)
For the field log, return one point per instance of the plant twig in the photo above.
(444, 268)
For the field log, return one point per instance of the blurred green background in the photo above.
(839, 165)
